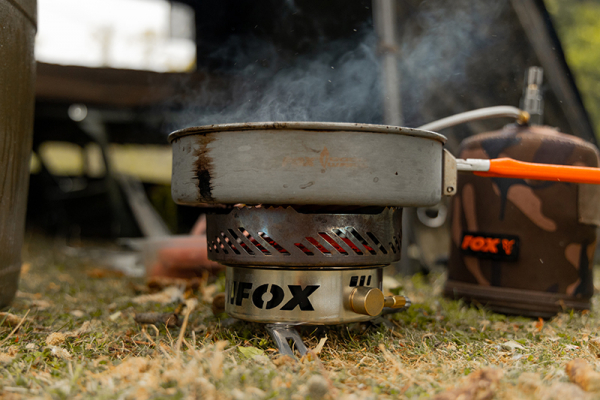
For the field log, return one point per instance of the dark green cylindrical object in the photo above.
(17, 75)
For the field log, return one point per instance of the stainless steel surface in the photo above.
(307, 126)
(450, 174)
(307, 163)
(533, 99)
(315, 297)
(384, 20)
(408, 302)
(282, 237)
(281, 334)
(17, 76)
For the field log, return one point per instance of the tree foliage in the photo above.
(578, 25)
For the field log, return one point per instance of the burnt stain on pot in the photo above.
(204, 168)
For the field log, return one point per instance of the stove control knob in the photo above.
(367, 300)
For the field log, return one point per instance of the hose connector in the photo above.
(523, 118)
(397, 301)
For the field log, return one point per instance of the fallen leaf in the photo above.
(511, 345)
(250, 351)
(62, 353)
(539, 325)
(115, 316)
(168, 295)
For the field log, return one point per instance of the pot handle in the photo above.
(509, 168)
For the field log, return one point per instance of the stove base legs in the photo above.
(282, 335)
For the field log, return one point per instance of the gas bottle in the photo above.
(522, 246)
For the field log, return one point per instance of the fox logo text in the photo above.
(269, 296)
(493, 246)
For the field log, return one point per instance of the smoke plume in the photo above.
(340, 81)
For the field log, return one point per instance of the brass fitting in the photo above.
(523, 118)
(367, 300)
(396, 302)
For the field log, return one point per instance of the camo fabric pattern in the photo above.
(556, 250)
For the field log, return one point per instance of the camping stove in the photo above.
(286, 266)
(326, 215)
(291, 265)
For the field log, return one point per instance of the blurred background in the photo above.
(115, 77)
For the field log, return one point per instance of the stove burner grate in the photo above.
(282, 236)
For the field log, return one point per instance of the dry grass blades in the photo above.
(97, 338)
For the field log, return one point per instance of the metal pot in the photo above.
(307, 163)
(330, 163)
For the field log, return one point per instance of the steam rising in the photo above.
(448, 43)
(340, 81)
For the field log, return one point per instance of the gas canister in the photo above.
(523, 246)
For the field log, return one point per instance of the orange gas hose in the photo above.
(509, 168)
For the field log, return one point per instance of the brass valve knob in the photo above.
(367, 300)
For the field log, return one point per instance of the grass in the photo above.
(103, 353)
